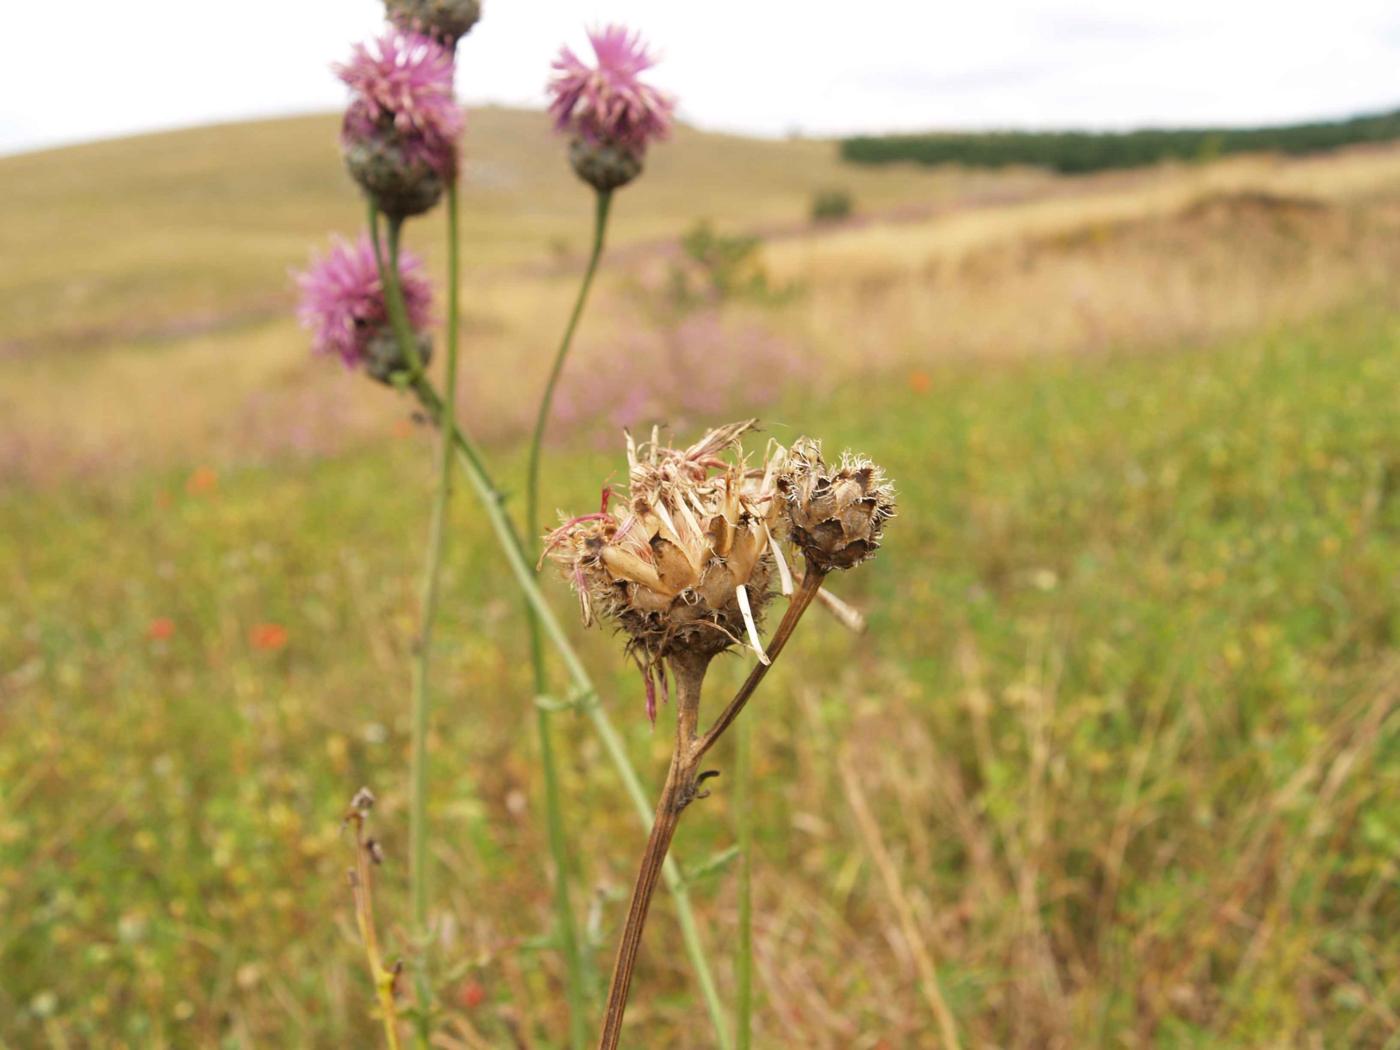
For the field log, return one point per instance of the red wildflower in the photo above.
(204, 479)
(472, 994)
(268, 636)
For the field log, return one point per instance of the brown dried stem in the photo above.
(682, 788)
(801, 599)
(362, 886)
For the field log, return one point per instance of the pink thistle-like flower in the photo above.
(403, 82)
(609, 104)
(342, 299)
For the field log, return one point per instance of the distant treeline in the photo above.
(1083, 151)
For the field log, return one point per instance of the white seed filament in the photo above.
(784, 574)
(742, 593)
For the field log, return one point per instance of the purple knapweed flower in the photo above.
(609, 103)
(401, 132)
(612, 114)
(404, 80)
(343, 306)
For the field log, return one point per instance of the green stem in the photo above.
(743, 806)
(393, 293)
(532, 488)
(378, 249)
(577, 975)
(432, 576)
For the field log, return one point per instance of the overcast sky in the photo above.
(84, 69)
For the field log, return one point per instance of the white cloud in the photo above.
(91, 68)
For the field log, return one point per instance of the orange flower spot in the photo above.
(204, 479)
(268, 636)
(161, 628)
(403, 428)
(472, 994)
(920, 382)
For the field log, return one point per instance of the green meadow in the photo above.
(1119, 752)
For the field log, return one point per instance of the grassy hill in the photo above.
(157, 266)
(172, 230)
(1128, 714)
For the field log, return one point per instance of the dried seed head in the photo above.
(363, 800)
(685, 565)
(835, 514)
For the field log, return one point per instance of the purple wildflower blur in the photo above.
(403, 82)
(342, 300)
(702, 367)
(610, 105)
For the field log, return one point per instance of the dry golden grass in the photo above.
(1184, 255)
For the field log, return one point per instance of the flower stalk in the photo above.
(743, 955)
(362, 887)
(532, 486)
(444, 414)
(801, 600)
(683, 787)
(577, 978)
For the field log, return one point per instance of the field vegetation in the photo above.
(1114, 766)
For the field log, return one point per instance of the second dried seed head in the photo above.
(836, 514)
